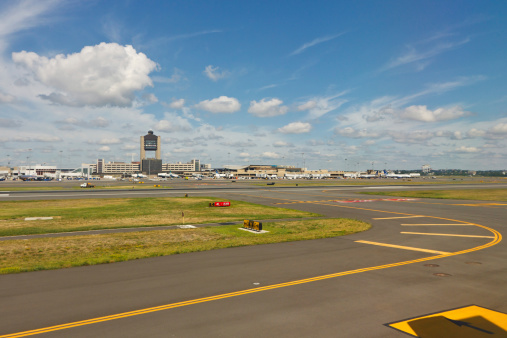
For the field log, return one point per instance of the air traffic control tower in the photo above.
(150, 143)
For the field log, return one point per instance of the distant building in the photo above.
(426, 168)
(150, 143)
(114, 167)
(192, 166)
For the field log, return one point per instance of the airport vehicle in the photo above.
(87, 185)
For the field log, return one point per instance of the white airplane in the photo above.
(139, 176)
(398, 176)
(167, 175)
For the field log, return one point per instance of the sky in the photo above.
(340, 85)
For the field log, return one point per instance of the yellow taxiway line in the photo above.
(442, 224)
(451, 235)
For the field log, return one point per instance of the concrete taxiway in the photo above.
(421, 257)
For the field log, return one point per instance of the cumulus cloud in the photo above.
(267, 108)
(500, 128)
(104, 149)
(296, 128)
(269, 154)
(177, 104)
(173, 123)
(222, 104)
(422, 113)
(107, 74)
(473, 133)
(214, 73)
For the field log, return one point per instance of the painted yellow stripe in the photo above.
(401, 217)
(404, 247)
(446, 224)
(452, 235)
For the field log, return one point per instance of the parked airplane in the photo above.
(167, 175)
(139, 176)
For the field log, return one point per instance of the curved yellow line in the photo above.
(497, 238)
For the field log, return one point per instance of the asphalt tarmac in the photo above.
(421, 257)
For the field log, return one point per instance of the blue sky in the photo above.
(327, 84)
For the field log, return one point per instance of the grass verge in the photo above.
(63, 252)
(459, 194)
(96, 214)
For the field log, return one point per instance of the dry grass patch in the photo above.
(63, 252)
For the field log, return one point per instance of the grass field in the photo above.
(94, 214)
(63, 252)
(458, 194)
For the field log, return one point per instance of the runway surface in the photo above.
(421, 257)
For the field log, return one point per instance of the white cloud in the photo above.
(280, 144)
(269, 154)
(104, 149)
(296, 128)
(473, 133)
(412, 137)
(500, 128)
(244, 155)
(173, 123)
(307, 105)
(214, 74)
(222, 104)
(319, 106)
(353, 133)
(422, 113)
(103, 75)
(177, 104)
(464, 149)
(268, 108)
